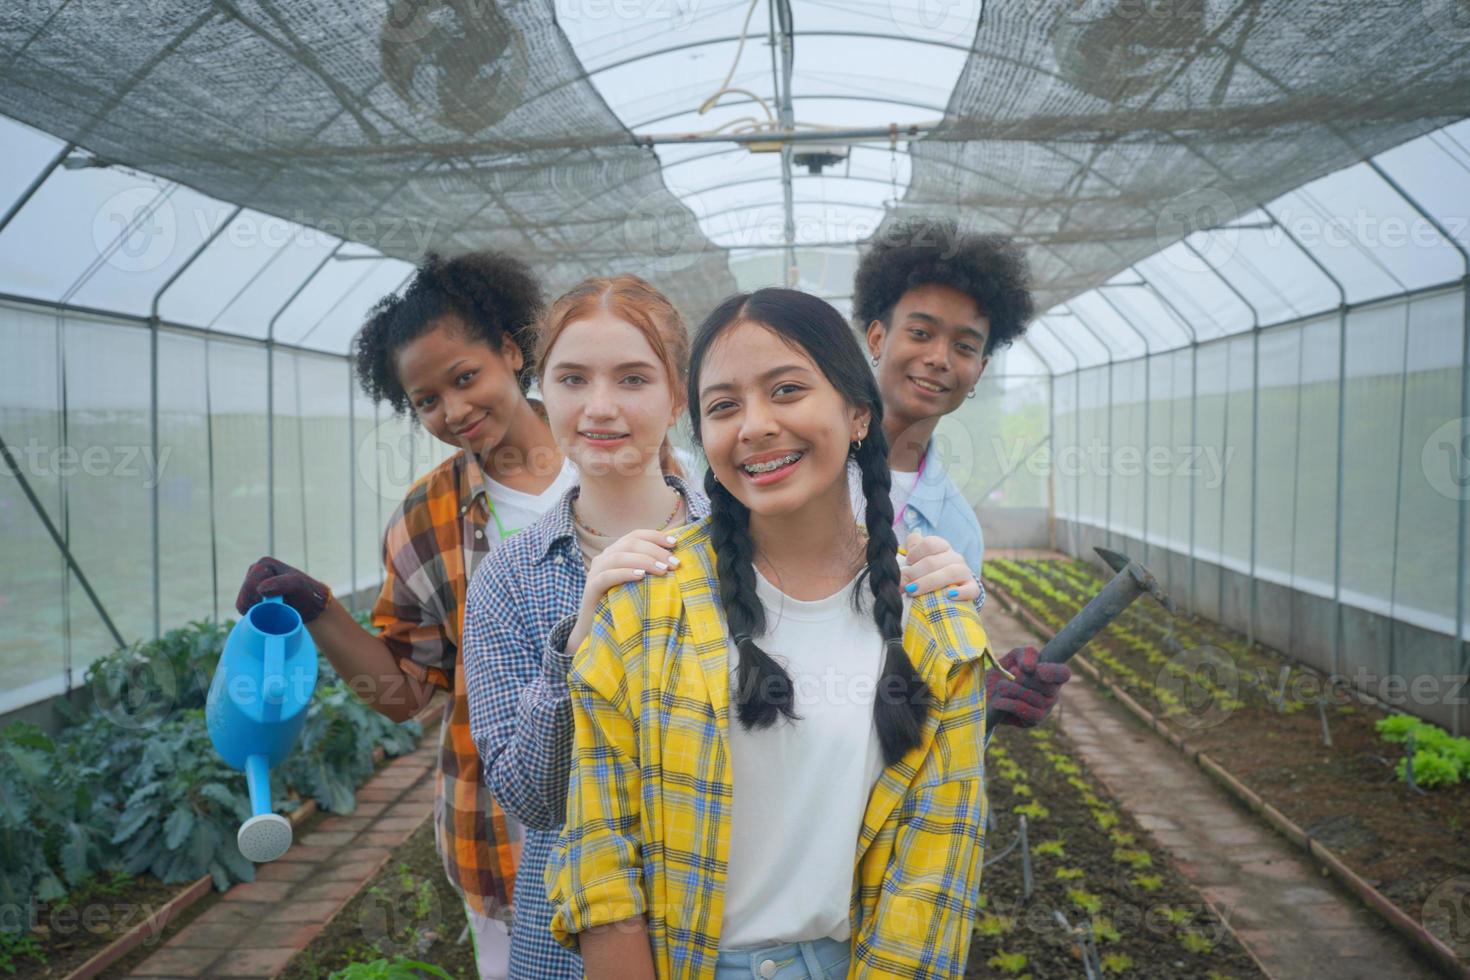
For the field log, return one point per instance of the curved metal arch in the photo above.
(1148, 349)
(967, 49)
(1168, 305)
(735, 38)
(909, 103)
(1051, 371)
(766, 179)
(1088, 327)
(1225, 281)
(773, 204)
(1060, 342)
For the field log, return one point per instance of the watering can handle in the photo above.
(273, 672)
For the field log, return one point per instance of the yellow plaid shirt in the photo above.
(648, 815)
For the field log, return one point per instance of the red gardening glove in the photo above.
(1025, 701)
(269, 577)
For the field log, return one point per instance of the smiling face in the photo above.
(463, 391)
(608, 398)
(775, 430)
(931, 354)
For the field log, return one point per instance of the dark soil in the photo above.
(68, 933)
(1149, 922)
(408, 909)
(1412, 847)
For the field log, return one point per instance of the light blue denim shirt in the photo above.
(937, 507)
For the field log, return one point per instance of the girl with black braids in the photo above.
(777, 762)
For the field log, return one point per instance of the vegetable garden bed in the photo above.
(1091, 862)
(407, 914)
(129, 805)
(1258, 714)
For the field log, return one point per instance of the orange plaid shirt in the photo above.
(433, 543)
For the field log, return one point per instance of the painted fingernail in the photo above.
(954, 593)
(673, 562)
(671, 539)
(911, 587)
(637, 573)
(660, 566)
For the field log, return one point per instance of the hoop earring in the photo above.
(971, 394)
(856, 447)
(874, 359)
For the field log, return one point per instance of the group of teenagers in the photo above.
(719, 717)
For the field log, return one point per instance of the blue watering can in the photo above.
(256, 708)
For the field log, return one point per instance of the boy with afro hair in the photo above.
(933, 303)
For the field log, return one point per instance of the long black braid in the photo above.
(764, 691)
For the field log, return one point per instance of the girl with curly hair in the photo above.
(454, 350)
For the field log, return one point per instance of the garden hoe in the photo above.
(1130, 581)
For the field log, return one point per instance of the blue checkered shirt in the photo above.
(519, 611)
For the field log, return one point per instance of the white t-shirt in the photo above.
(899, 492)
(800, 788)
(513, 510)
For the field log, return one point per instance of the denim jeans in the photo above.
(816, 960)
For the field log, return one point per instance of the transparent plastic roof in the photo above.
(279, 193)
(1285, 261)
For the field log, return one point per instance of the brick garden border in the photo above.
(1397, 918)
(155, 924)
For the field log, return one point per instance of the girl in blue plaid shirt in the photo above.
(611, 360)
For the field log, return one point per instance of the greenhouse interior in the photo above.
(1245, 390)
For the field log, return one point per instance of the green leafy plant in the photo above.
(1196, 942)
(1117, 963)
(1104, 930)
(1133, 857)
(398, 968)
(994, 925)
(1431, 770)
(16, 946)
(1008, 962)
(1440, 759)
(1084, 900)
(136, 786)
